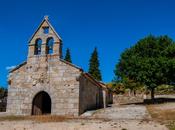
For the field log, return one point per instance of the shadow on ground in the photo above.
(160, 100)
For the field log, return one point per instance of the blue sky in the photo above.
(110, 25)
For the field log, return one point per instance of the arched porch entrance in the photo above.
(41, 104)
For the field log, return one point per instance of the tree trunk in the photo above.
(152, 93)
(129, 93)
(134, 92)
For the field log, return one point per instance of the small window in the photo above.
(46, 30)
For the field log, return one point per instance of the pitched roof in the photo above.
(103, 85)
(45, 20)
(68, 63)
(98, 83)
(87, 75)
(17, 67)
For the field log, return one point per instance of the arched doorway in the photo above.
(41, 104)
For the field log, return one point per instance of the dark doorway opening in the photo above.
(41, 104)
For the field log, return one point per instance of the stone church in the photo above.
(46, 84)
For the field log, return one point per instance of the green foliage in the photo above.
(117, 88)
(165, 89)
(68, 56)
(171, 124)
(3, 92)
(149, 62)
(126, 86)
(131, 84)
(94, 66)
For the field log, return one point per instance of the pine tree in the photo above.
(68, 56)
(94, 66)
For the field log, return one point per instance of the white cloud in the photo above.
(10, 67)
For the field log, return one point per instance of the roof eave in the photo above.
(17, 67)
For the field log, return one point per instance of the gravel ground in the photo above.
(166, 106)
(123, 117)
(123, 112)
(82, 125)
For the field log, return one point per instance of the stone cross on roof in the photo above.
(46, 17)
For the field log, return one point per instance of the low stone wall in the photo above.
(125, 99)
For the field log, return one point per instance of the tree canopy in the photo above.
(151, 62)
(68, 56)
(3, 92)
(94, 66)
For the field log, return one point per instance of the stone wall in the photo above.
(57, 47)
(91, 96)
(125, 99)
(47, 74)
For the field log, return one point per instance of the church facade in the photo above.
(46, 84)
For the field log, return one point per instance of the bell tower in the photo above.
(45, 41)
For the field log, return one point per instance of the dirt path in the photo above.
(82, 125)
(117, 112)
(130, 117)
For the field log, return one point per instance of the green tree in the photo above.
(94, 66)
(150, 62)
(68, 56)
(131, 85)
(3, 92)
(117, 88)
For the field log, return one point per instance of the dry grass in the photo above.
(44, 118)
(171, 125)
(160, 114)
(165, 116)
(48, 118)
(12, 118)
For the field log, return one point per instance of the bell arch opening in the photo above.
(41, 104)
